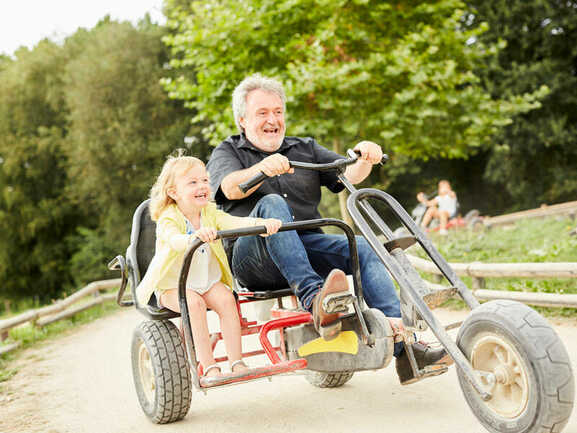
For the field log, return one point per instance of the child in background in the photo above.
(180, 205)
(443, 206)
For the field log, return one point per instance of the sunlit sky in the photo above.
(26, 22)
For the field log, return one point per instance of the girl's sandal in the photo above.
(211, 367)
(238, 362)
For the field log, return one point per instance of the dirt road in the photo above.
(82, 383)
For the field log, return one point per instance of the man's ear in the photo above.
(242, 122)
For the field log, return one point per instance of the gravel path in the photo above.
(82, 383)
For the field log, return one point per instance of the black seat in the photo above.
(139, 255)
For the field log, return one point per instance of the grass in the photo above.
(531, 240)
(29, 335)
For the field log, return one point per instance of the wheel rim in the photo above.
(503, 374)
(146, 373)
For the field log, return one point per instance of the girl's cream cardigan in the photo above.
(171, 244)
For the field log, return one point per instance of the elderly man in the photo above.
(312, 263)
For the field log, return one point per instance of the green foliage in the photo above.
(398, 73)
(84, 129)
(35, 211)
(122, 125)
(535, 159)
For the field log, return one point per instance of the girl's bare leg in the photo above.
(198, 323)
(220, 299)
(429, 215)
(444, 218)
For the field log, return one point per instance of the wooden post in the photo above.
(478, 283)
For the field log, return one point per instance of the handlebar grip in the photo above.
(356, 153)
(245, 186)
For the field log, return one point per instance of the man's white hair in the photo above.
(250, 83)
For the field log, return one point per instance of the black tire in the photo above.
(161, 371)
(473, 213)
(534, 388)
(328, 380)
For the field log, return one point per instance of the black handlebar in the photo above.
(338, 164)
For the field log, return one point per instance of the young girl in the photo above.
(443, 206)
(179, 203)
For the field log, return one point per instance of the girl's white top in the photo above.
(447, 203)
(204, 269)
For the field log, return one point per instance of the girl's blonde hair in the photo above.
(174, 166)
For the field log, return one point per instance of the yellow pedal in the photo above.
(345, 342)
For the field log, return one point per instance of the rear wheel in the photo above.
(328, 380)
(160, 371)
(522, 362)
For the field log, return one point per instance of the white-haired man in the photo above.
(312, 263)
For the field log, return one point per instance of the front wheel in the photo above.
(522, 362)
(160, 371)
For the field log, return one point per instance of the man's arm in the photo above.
(272, 165)
(371, 154)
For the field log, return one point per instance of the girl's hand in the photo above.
(205, 234)
(272, 225)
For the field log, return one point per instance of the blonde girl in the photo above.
(180, 204)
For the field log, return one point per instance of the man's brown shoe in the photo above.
(327, 324)
(436, 359)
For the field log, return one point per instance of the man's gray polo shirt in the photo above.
(301, 190)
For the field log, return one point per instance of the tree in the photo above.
(35, 211)
(536, 157)
(122, 126)
(396, 73)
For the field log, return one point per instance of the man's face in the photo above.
(264, 123)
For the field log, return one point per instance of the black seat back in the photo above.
(139, 255)
(146, 242)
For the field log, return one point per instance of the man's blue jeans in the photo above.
(303, 260)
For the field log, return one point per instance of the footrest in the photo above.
(337, 302)
(433, 370)
(253, 373)
(436, 297)
(330, 331)
(428, 371)
(402, 242)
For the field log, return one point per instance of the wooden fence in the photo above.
(477, 271)
(480, 271)
(568, 208)
(59, 310)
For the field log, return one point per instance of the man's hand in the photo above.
(370, 152)
(275, 165)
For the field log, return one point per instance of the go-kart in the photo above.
(512, 367)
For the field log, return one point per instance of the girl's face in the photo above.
(191, 188)
(444, 188)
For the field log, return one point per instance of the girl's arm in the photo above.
(168, 230)
(422, 198)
